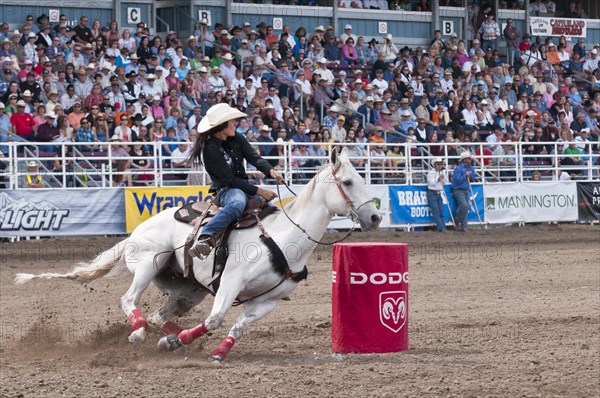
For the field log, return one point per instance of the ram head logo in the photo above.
(393, 310)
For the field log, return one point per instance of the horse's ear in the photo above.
(334, 155)
(344, 153)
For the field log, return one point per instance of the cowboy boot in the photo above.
(202, 247)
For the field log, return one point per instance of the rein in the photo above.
(353, 212)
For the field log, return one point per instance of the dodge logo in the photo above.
(393, 310)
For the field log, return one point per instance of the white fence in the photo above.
(74, 165)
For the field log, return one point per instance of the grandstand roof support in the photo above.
(117, 10)
(335, 20)
(435, 16)
(527, 16)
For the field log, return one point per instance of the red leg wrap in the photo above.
(224, 348)
(137, 320)
(189, 335)
(171, 328)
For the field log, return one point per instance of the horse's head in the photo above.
(347, 194)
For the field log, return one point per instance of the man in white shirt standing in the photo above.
(436, 179)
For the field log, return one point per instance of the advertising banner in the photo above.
(61, 212)
(531, 202)
(141, 203)
(550, 26)
(588, 199)
(409, 205)
(369, 297)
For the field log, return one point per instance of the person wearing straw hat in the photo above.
(463, 175)
(436, 178)
(22, 122)
(222, 152)
(32, 177)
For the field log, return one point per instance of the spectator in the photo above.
(32, 177)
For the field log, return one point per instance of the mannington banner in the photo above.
(548, 26)
(531, 202)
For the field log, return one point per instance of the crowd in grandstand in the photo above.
(95, 82)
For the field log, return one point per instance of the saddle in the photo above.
(200, 213)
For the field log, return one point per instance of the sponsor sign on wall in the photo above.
(61, 212)
(531, 202)
(409, 205)
(588, 200)
(142, 203)
(547, 26)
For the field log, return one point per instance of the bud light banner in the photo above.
(61, 212)
(369, 297)
(409, 205)
(588, 199)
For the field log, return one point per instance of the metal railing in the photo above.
(406, 165)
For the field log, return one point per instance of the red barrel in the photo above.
(370, 297)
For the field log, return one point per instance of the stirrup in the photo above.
(202, 247)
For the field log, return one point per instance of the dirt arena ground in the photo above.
(503, 312)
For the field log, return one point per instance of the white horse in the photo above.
(253, 274)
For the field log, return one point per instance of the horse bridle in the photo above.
(353, 210)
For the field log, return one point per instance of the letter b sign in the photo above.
(447, 28)
(205, 14)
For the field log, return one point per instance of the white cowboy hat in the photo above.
(322, 60)
(228, 57)
(217, 115)
(436, 161)
(33, 163)
(465, 155)
(49, 114)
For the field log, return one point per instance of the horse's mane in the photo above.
(306, 193)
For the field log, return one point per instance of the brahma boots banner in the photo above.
(142, 203)
(531, 202)
(61, 212)
(409, 205)
(588, 199)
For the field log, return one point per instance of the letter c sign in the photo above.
(134, 15)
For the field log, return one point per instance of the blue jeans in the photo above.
(488, 44)
(461, 197)
(436, 203)
(233, 202)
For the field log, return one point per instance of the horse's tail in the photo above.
(109, 261)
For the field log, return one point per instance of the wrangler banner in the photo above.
(588, 199)
(61, 212)
(531, 202)
(142, 203)
(548, 26)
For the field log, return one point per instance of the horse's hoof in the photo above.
(137, 337)
(215, 359)
(169, 343)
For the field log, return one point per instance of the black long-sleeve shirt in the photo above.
(224, 162)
